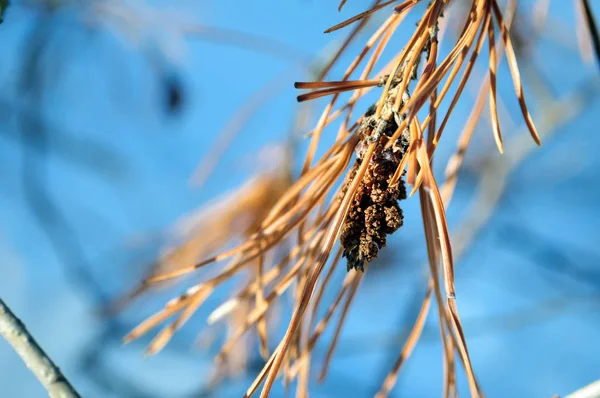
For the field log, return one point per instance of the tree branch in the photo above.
(13, 330)
(3, 6)
(590, 391)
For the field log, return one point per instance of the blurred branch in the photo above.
(592, 27)
(132, 21)
(496, 169)
(592, 390)
(35, 144)
(478, 326)
(71, 147)
(554, 256)
(13, 330)
(3, 6)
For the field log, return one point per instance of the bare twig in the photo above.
(13, 330)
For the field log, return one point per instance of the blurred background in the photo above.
(107, 109)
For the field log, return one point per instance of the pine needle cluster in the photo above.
(346, 204)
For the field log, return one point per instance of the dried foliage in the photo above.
(208, 229)
(356, 202)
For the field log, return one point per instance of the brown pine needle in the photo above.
(336, 335)
(336, 90)
(360, 16)
(322, 324)
(331, 237)
(344, 46)
(514, 70)
(263, 373)
(405, 5)
(227, 136)
(167, 333)
(270, 235)
(409, 345)
(344, 83)
(465, 76)
(592, 27)
(251, 288)
(433, 253)
(324, 285)
(454, 164)
(258, 312)
(324, 119)
(493, 92)
(154, 320)
(260, 300)
(448, 267)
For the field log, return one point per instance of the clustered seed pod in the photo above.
(374, 212)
